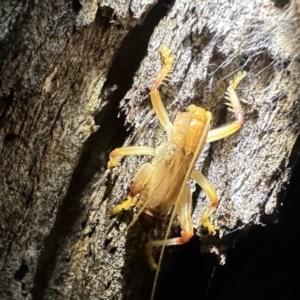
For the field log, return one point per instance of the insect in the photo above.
(161, 185)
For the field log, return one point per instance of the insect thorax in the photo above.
(164, 152)
(188, 128)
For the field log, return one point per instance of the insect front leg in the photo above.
(211, 195)
(184, 212)
(226, 130)
(154, 93)
(142, 177)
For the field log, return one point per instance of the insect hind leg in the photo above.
(184, 214)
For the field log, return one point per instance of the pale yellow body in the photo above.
(160, 185)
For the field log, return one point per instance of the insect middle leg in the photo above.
(211, 195)
(184, 213)
(141, 178)
(115, 155)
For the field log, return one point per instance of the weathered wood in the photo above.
(65, 70)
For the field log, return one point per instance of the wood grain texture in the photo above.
(74, 84)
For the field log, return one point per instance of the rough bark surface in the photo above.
(74, 85)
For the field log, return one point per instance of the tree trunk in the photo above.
(75, 79)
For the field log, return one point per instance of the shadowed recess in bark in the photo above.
(76, 5)
(21, 272)
(5, 103)
(254, 266)
(264, 263)
(281, 3)
(72, 212)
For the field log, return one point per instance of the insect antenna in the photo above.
(209, 283)
(163, 246)
(172, 215)
(197, 152)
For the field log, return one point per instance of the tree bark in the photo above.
(75, 79)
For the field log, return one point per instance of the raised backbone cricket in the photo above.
(161, 184)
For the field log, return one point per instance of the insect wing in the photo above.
(166, 180)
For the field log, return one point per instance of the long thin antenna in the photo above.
(199, 149)
(209, 283)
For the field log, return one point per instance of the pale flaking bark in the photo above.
(55, 189)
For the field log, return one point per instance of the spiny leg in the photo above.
(184, 212)
(116, 154)
(211, 195)
(226, 130)
(154, 93)
(167, 61)
(142, 177)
